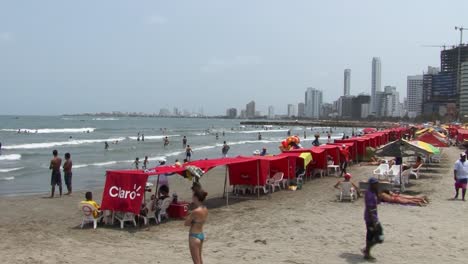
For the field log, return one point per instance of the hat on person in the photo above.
(463, 154)
(347, 176)
(344, 146)
(372, 180)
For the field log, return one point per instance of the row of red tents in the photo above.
(124, 190)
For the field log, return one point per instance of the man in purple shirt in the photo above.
(374, 229)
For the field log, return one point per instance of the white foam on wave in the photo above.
(263, 131)
(50, 130)
(97, 164)
(7, 178)
(61, 143)
(12, 169)
(10, 156)
(154, 137)
(105, 119)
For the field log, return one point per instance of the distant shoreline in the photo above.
(322, 123)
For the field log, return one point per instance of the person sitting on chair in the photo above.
(347, 178)
(163, 201)
(417, 163)
(89, 200)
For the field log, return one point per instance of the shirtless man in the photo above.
(56, 177)
(67, 172)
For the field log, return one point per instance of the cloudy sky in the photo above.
(90, 56)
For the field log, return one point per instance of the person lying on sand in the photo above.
(391, 197)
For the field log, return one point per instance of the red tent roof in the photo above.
(432, 139)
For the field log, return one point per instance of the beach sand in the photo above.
(306, 226)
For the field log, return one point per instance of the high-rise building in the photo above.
(250, 110)
(231, 113)
(271, 112)
(300, 109)
(327, 110)
(347, 82)
(291, 110)
(376, 82)
(313, 103)
(414, 91)
(464, 91)
(345, 106)
(379, 104)
(391, 102)
(361, 104)
(439, 91)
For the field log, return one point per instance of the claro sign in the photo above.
(118, 192)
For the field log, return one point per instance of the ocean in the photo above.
(25, 156)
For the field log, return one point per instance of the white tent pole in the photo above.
(225, 183)
(258, 178)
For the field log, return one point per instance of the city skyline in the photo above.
(140, 57)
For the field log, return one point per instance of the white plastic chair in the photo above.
(263, 187)
(300, 178)
(331, 165)
(276, 181)
(435, 158)
(163, 206)
(88, 216)
(394, 174)
(381, 171)
(151, 214)
(415, 171)
(125, 217)
(347, 192)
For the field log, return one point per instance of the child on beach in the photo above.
(137, 163)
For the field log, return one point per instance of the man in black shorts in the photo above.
(56, 177)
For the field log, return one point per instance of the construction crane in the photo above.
(436, 46)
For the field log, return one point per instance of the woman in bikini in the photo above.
(196, 220)
(391, 197)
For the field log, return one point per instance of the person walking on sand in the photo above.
(374, 228)
(460, 175)
(137, 163)
(184, 142)
(145, 163)
(188, 153)
(196, 221)
(225, 149)
(344, 158)
(67, 172)
(56, 177)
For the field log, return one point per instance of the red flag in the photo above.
(124, 191)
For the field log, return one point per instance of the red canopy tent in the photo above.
(351, 146)
(319, 157)
(333, 151)
(432, 139)
(295, 161)
(369, 130)
(462, 135)
(361, 144)
(124, 191)
(251, 171)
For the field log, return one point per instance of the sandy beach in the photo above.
(306, 226)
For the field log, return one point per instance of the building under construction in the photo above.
(449, 58)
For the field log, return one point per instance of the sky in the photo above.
(64, 57)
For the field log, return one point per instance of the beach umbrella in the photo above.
(401, 148)
(426, 146)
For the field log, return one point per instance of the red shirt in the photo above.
(345, 154)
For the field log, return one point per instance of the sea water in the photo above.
(25, 156)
